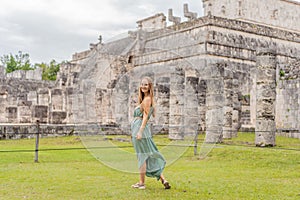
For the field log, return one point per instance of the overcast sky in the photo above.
(56, 29)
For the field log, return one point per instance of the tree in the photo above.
(49, 71)
(19, 61)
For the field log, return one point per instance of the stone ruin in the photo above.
(228, 71)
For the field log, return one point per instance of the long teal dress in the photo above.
(145, 148)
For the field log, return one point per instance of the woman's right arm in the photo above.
(146, 105)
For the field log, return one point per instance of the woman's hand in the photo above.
(139, 135)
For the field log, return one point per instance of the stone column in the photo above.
(228, 130)
(191, 107)
(253, 96)
(110, 117)
(133, 96)
(265, 127)
(202, 87)
(106, 107)
(57, 114)
(162, 104)
(43, 96)
(89, 91)
(83, 99)
(4, 93)
(214, 103)
(77, 108)
(236, 104)
(24, 111)
(57, 99)
(176, 128)
(121, 98)
(69, 104)
(98, 107)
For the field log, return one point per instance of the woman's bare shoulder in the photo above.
(146, 102)
(147, 99)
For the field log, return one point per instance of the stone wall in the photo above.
(288, 99)
(25, 100)
(14, 131)
(27, 74)
(152, 23)
(271, 12)
(18, 98)
(24, 97)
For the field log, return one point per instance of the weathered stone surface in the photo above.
(215, 111)
(12, 114)
(265, 99)
(58, 117)
(269, 12)
(40, 113)
(266, 91)
(57, 99)
(121, 99)
(177, 108)
(155, 22)
(265, 132)
(228, 129)
(28, 74)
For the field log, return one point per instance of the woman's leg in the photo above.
(162, 178)
(164, 182)
(141, 183)
(143, 173)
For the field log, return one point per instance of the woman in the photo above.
(150, 161)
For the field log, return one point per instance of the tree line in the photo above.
(21, 61)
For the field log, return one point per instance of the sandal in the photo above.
(139, 186)
(166, 184)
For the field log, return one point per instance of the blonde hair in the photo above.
(151, 93)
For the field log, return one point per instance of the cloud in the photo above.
(57, 29)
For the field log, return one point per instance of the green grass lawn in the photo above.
(234, 169)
